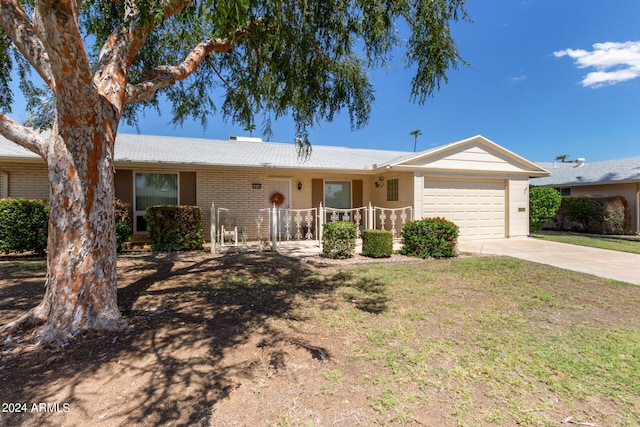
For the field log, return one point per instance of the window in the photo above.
(152, 189)
(564, 191)
(392, 190)
(337, 194)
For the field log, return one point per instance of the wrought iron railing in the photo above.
(387, 219)
(356, 215)
(274, 225)
(296, 224)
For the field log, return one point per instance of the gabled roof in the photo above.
(602, 172)
(476, 153)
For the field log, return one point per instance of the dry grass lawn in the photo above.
(265, 340)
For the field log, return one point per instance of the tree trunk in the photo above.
(81, 284)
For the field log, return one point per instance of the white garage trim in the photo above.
(478, 207)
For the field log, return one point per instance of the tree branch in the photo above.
(58, 25)
(121, 48)
(22, 135)
(15, 22)
(164, 76)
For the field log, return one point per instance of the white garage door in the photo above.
(477, 207)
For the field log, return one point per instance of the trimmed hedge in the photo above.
(174, 228)
(339, 240)
(594, 214)
(23, 225)
(431, 237)
(377, 243)
(543, 205)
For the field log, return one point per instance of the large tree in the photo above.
(103, 61)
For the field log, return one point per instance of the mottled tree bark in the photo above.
(81, 284)
(81, 290)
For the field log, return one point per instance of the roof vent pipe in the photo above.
(580, 161)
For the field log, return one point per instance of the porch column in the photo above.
(320, 222)
(213, 228)
(274, 228)
(370, 214)
(418, 191)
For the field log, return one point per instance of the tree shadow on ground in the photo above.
(365, 293)
(186, 313)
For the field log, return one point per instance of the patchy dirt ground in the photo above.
(211, 341)
(193, 353)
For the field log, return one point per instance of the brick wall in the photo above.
(28, 180)
(232, 189)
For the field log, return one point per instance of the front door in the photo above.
(277, 187)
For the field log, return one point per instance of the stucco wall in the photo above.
(405, 189)
(302, 199)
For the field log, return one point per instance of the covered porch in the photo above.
(274, 227)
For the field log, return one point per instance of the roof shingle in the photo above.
(215, 152)
(603, 172)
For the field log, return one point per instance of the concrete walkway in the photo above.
(600, 262)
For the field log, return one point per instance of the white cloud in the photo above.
(519, 78)
(613, 62)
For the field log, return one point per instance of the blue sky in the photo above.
(546, 77)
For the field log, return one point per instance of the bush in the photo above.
(594, 214)
(123, 223)
(431, 237)
(377, 243)
(339, 239)
(543, 205)
(23, 225)
(576, 209)
(174, 228)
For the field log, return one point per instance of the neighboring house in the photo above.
(475, 183)
(620, 177)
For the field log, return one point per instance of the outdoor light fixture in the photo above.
(380, 182)
(299, 185)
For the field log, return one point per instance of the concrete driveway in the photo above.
(600, 262)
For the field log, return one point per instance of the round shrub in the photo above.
(431, 237)
(543, 205)
(339, 240)
(377, 243)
